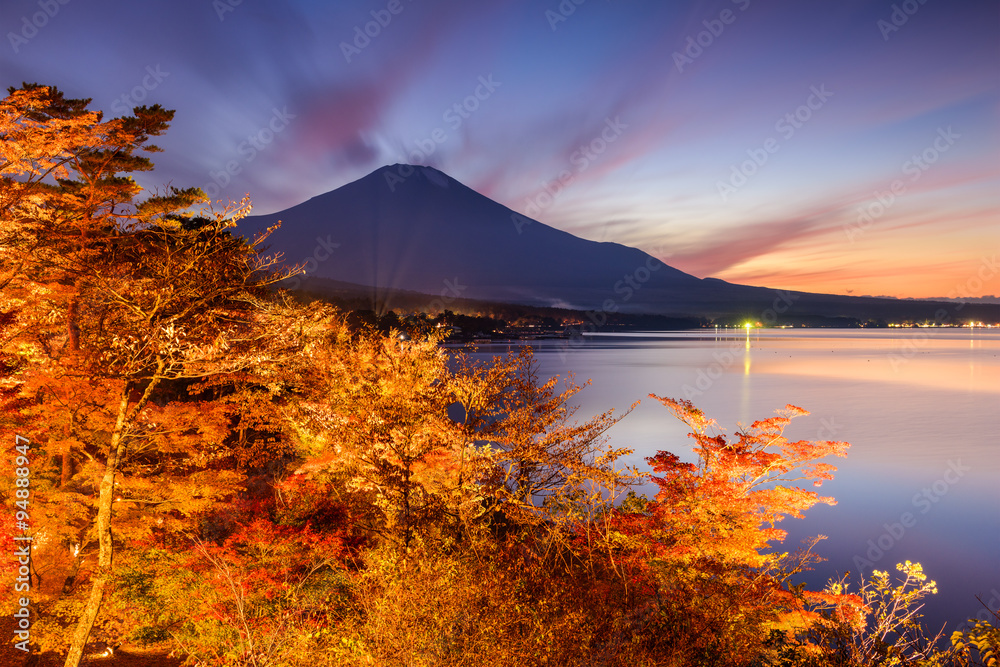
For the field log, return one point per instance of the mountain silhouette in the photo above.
(414, 228)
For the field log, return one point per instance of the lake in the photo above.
(920, 407)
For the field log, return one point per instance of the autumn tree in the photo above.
(541, 457)
(473, 473)
(705, 546)
(732, 499)
(438, 443)
(374, 415)
(125, 302)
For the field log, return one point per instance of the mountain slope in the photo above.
(430, 233)
(415, 228)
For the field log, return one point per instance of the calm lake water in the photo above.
(920, 407)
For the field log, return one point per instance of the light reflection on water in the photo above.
(913, 403)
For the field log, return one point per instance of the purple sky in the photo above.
(747, 140)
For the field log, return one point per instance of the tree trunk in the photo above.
(73, 331)
(67, 465)
(408, 531)
(72, 325)
(106, 547)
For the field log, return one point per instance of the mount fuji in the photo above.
(416, 229)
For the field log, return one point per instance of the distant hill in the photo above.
(412, 228)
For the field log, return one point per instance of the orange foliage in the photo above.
(700, 551)
(727, 505)
(124, 305)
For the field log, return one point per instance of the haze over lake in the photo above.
(919, 407)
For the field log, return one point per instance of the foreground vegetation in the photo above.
(257, 482)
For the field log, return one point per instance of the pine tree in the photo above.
(126, 303)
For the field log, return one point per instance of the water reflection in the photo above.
(911, 402)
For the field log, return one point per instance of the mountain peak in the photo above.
(406, 168)
(400, 172)
(413, 227)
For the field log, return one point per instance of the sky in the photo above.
(847, 146)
